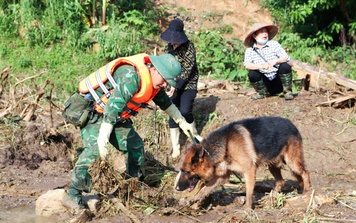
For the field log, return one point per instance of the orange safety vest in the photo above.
(105, 73)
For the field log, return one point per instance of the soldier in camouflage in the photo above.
(105, 128)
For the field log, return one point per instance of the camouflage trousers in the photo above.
(123, 137)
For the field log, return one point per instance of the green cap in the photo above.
(168, 66)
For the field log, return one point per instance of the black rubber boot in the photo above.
(287, 85)
(261, 89)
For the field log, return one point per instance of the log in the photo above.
(321, 78)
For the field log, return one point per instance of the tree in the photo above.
(326, 22)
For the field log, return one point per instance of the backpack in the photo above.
(77, 108)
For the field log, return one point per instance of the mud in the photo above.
(38, 156)
(40, 159)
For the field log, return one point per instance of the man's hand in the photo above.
(186, 127)
(103, 139)
(171, 91)
(175, 114)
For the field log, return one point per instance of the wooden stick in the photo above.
(5, 78)
(311, 200)
(29, 78)
(346, 205)
(195, 219)
(34, 105)
(125, 210)
(336, 220)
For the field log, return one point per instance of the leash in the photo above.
(192, 138)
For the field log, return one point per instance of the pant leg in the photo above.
(273, 87)
(186, 105)
(284, 68)
(128, 140)
(80, 178)
(184, 100)
(276, 85)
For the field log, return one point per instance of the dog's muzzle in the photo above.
(182, 184)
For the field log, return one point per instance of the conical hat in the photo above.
(272, 31)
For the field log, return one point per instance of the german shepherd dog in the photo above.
(240, 147)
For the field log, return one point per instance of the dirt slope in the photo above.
(209, 14)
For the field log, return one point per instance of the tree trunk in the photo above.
(321, 78)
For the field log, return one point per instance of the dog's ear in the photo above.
(195, 148)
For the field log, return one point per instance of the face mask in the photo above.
(262, 42)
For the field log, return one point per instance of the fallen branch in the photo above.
(51, 103)
(29, 78)
(336, 220)
(34, 104)
(338, 100)
(5, 112)
(4, 75)
(346, 205)
(321, 77)
(194, 219)
(311, 200)
(126, 211)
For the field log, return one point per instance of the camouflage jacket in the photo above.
(128, 84)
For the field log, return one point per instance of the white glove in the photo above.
(175, 114)
(103, 139)
(199, 138)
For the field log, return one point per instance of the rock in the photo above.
(56, 202)
(50, 203)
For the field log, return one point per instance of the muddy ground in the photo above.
(40, 158)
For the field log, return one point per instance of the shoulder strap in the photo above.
(260, 55)
(254, 49)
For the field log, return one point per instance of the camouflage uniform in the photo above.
(123, 136)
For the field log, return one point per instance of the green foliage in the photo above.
(55, 40)
(125, 35)
(25, 62)
(7, 24)
(64, 65)
(311, 19)
(117, 42)
(52, 37)
(213, 117)
(310, 34)
(219, 58)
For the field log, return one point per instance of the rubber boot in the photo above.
(76, 196)
(175, 133)
(287, 85)
(261, 89)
